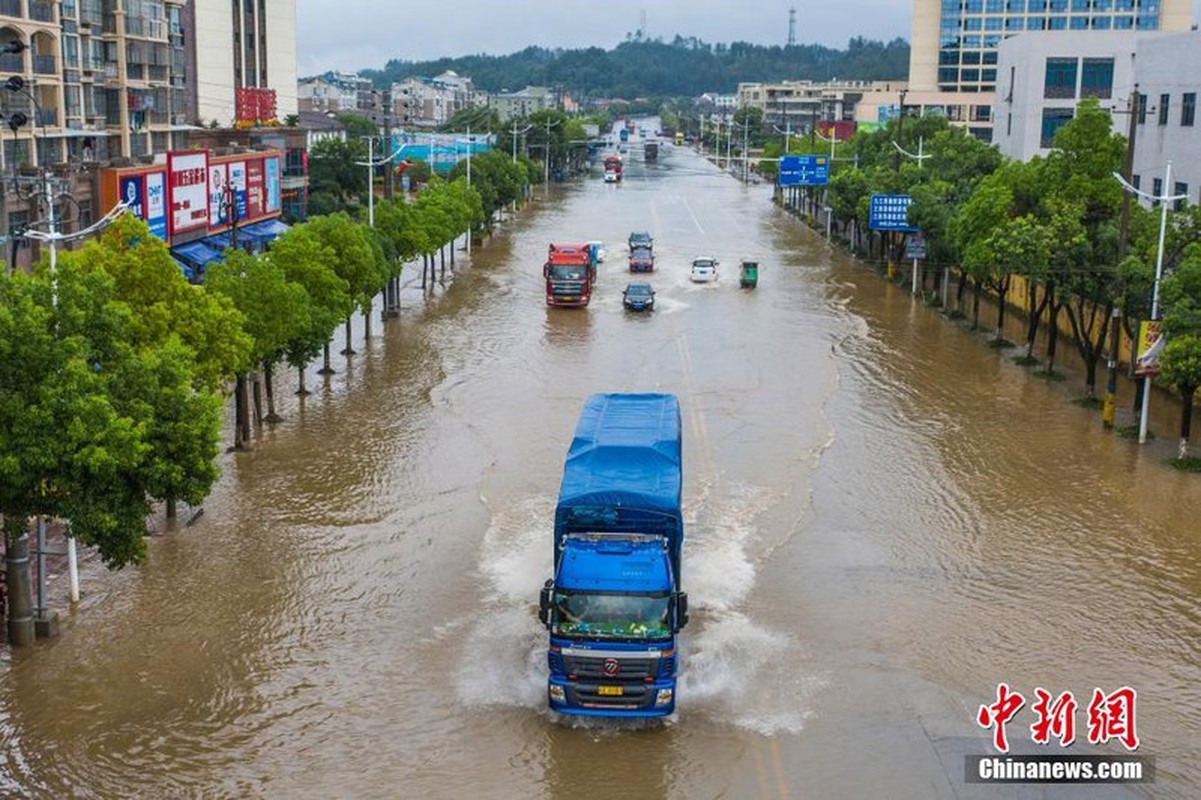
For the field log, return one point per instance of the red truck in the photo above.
(612, 169)
(570, 272)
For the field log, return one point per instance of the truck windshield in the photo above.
(568, 272)
(607, 615)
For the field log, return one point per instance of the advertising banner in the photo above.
(271, 176)
(255, 199)
(237, 179)
(1150, 345)
(132, 195)
(156, 203)
(219, 199)
(187, 183)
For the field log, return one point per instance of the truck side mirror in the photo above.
(682, 608)
(544, 603)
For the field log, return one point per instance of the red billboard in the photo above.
(254, 105)
(842, 129)
(187, 188)
(255, 198)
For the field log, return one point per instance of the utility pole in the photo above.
(370, 180)
(1109, 405)
(896, 164)
(388, 188)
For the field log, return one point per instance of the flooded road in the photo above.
(886, 520)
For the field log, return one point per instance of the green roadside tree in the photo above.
(309, 263)
(356, 261)
(274, 312)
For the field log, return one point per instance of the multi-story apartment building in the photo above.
(429, 102)
(954, 42)
(323, 96)
(262, 59)
(800, 105)
(101, 78)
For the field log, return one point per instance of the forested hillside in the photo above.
(684, 67)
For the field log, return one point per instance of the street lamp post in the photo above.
(1163, 200)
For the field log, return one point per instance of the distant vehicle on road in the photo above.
(704, 270)
(642, 259)
(641, 239)
(638, 296)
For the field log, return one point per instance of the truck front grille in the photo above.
(628, 669)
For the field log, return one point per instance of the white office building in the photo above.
(1045, 76)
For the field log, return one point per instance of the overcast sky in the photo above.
(353, 34)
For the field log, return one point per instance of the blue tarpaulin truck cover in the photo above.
(624, 470)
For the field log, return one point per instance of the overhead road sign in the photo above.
(804, 170)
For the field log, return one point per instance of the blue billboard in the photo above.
(804, 170)
(890, 212)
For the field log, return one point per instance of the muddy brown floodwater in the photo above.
(886, 520)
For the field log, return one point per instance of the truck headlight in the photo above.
(664, 697)
(557, 695)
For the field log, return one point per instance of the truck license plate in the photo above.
(610, 691)
(569, 297)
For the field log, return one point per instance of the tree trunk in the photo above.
(170, 508)
(975, 305)
(348, 350)
(241, 414)
(1002, 293)
(301, 389)
(442, 262)
(367, 320)
(960, 291)
(326, 368)
(1033, 311)
(269, 383)
(424, 269)
(256, 383)
(1052, 334)
(1186, 418)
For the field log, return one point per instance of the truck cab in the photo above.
(614, 606)
(570, 273)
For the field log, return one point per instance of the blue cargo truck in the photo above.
(615, 605)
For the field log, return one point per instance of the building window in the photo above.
(1009, 124)
(1096, 78)
(1034, 6)
(1078, 23)
(1181, 189)
(971, 58)
(1102, 23)
(1057, 23)
(1163, 108)
(1136, 181)
(1123, 23)
(948, 75)
(1081, 5)
(972, 75)
(1156, 190)
(1053, 120)
(1188, 109)
(1060, 79)
(1142, 109)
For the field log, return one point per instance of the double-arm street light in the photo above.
(1163, 200)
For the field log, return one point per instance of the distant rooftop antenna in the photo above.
(792, 26)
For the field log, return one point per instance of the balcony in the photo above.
(45, 65)
(12, 62)
(48, 117)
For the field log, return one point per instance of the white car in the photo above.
(599, 249)
(704, 270)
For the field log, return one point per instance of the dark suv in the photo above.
(638, 297)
